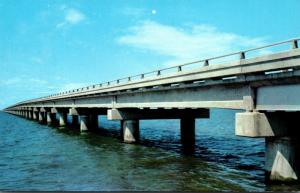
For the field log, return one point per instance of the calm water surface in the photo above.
(38, 157)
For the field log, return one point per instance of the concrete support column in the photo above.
(187, 132)
(35, 116)
(84, 123)
(131, 131)
(282, 141)
(62, 119)
(41, 117)
(93, 121)
(282, 159)
(88, 122)
(74, 120)
(29, 114)
(50, 118)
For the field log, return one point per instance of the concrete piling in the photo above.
(187, 132)
(84, 123)
(62, 119)
(130, 131)
(41, 117)
(93, 121)
(74, 120)
(50, 118)
(282, 159)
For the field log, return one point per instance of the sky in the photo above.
(49, 46)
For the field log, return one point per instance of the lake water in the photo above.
(39, 157)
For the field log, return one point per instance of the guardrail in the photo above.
(157, 73)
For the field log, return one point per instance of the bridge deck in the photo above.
(220, 86)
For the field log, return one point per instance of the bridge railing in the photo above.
(156, 73)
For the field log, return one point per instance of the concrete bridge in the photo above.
(266, 87)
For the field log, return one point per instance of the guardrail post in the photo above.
(179, 68)
(294, 44)
(158, 73)
(242, 55)
(206, 63)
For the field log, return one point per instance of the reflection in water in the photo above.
(38, 157)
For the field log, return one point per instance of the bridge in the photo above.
(266, 87)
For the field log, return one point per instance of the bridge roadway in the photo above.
(266, 87)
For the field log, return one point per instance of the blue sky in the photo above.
(48, 46)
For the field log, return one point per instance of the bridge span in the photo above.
(265, 87)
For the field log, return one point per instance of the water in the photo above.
(38, 157)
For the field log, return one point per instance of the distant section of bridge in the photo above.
(266, 87)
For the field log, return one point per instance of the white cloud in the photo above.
(72, 17)
(185, 44)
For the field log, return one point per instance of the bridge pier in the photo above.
(88, 117)
(35, 115)
(130, 122)
(74, 120)
(88, 122)
(41, 117)
(93, 118)
(130, 130)
(83, 117)
(29, 114)
(187, 132)
(51, 118)
(84, 123)
(62, 119)
(282, 159)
